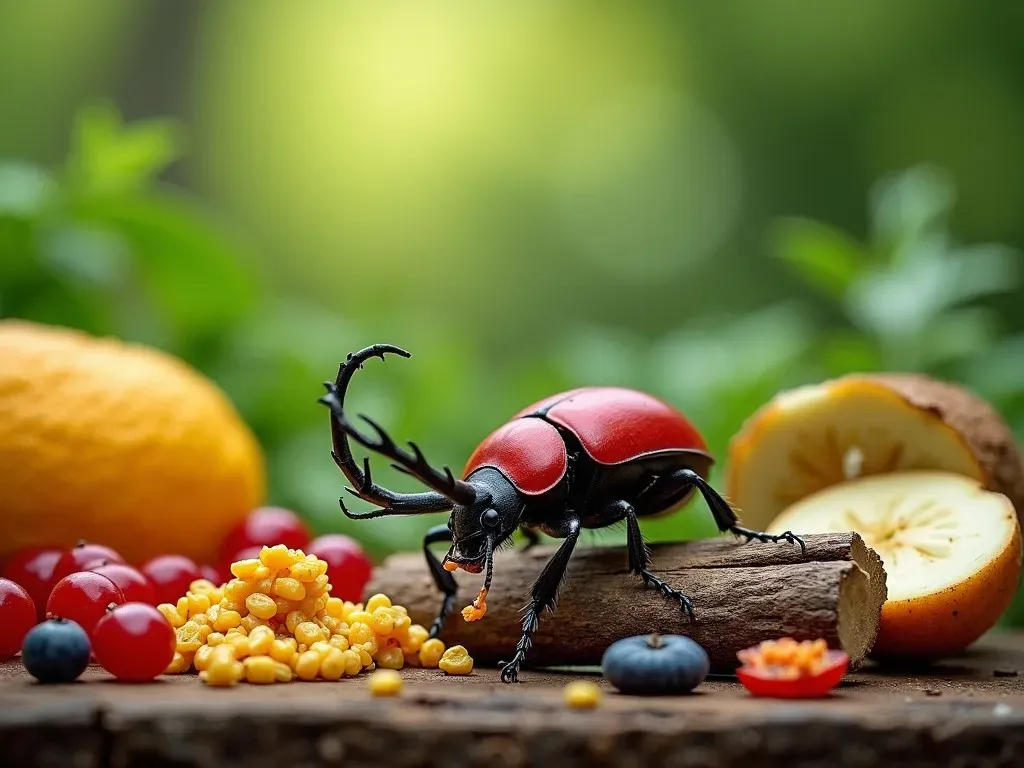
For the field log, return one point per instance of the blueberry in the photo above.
(56, 651)
(655, 664)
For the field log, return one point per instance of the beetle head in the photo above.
(481, 527)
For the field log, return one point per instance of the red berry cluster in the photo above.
(114, 602)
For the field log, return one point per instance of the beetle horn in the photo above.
(442, 481)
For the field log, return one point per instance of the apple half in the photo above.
(812, 437)
(951, 550)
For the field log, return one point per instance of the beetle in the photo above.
(586, 458)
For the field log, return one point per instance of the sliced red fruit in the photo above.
(776, 682)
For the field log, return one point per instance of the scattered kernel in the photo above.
(244, 569)
(378, 601)
(261, 606)
(456, 661)
(261, 670)
(390, 658)
(430, 653)
(385, 682)
(582, 694)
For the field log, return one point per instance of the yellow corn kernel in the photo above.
(227, 620)
(202, 587)
(214, 639)
(308, 633)
(348, 607)
(411, 659)
(261, 606)
(307, 569)
(302, 648)
(245, 569)
(223, 673)
(289, 588)
(230, 605)
(335, 607)
(214, 611)
(582, 694)
(189, 637)
(320, 586)
(171, 613)
(379, 600)
(260, 670)
(414, 638)
(353, 664)
(332, 664)
(431, 652)
(250, 622)
(307, 665)
(201, 619)
(237, 590)
(400, 609)
(385, 682)
(217, 595)
(197, 603)
(333, 625)
(390, 658)
(365, 657)
(202, 658)
(382, 622)
(237, 631)
(177, 665)
(277, 557)
(240, 643)
(282, 651)
(294, 619)
(402, 623)
(260, 640)
(283, 672)
(360, 632)
(338, 641)
(456, 661)
(359, 617)
(284, 606)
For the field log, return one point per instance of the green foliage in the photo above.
(102, 244)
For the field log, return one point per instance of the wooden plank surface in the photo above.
(964, 711)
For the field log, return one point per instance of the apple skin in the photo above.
(946, 622)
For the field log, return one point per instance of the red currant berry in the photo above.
(170, 576)
(32, 568)
(81, 557)
(348, 566)
(17, 617)
(133, 642)
(266, 526)
(212, 574)
(133, 584)
(83, 597)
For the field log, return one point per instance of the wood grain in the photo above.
(742, 594)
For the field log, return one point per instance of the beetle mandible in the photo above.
(586, 458)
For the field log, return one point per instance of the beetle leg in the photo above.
(542, 597)
(444, 581)
(725, 516)
(640, 557)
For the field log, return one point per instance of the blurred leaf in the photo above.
(108, 157)
(85, 254)
(187, 260)
(997, 370)
(981, 270)
(905, 205)
(843, 351)
(958, 334)
(25, 189)
(823, 256)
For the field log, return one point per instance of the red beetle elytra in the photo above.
(587, 458)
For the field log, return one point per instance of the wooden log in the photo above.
(742, 594)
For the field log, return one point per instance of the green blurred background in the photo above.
(708, 201)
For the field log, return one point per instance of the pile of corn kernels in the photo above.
(786, 657)
(276, 621)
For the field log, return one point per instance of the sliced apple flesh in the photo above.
(812, 437)
(951, 550)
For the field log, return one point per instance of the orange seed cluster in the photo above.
(786, 658)
(276, 621)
